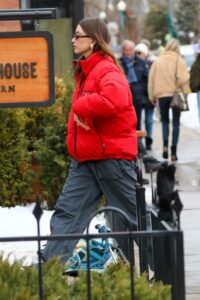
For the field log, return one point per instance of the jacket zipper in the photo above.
(75, 127)
(75, 137)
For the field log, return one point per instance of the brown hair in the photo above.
(97, 30)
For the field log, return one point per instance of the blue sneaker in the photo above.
(99, 255)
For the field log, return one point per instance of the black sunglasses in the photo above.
(76, 36)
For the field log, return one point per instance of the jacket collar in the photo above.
(88, 64)
(170, 52)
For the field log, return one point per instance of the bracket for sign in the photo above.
(28, 14)
(37, 25)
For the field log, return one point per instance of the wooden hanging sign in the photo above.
(26, 69)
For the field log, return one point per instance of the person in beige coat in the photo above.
(168, 72)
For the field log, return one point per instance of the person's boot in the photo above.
(165, 150)
(148, 143)
(173, 153)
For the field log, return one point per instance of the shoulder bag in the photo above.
(179, 100)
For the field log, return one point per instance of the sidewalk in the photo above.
(188, 184)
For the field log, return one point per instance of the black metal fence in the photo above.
(159, 240)
(167, 250)
(160, 247)
(155, 248)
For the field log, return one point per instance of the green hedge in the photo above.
(15, 171)
(17, 283)
(35, 134)
(51, 150)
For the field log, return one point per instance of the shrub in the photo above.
(51, 150)
(36, 117)
(15, 173)
(42, 131)
(114, 284)
(34, 127)
(19, 283)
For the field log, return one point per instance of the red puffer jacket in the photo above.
(104, 105)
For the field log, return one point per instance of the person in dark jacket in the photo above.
(137, 75)
(102, 139)
(195, 75)
(143, 52)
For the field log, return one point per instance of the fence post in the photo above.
(169, 257)
(142, 226)
(37, 212)
(180, 272)
(161, 252)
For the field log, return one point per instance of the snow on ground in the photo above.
(19, 221)
(190, 118)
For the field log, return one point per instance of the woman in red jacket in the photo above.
(101, 139)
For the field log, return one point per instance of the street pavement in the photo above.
(188, 184)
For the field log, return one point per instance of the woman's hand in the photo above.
(81, 123)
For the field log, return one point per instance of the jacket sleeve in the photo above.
(195, 78)
(113, 95)
(183, 75)
(145, 78)
(151, 82)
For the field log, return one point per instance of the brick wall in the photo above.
(9, 25)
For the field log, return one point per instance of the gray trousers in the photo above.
(86, 183)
